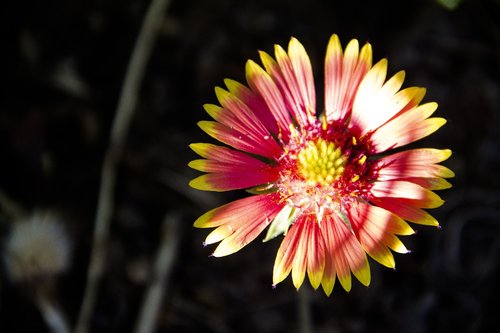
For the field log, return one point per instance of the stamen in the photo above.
(320, 162)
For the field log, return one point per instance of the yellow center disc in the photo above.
(320, 162)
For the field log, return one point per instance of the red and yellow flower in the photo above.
(324, 180)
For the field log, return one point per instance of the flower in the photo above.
(37, 248)
(325, 180)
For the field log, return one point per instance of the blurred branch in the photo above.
(162, 270)
(120, 127)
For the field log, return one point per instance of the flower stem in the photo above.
(121, 124)
(304, 311)
(52, 315)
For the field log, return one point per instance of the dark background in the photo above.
(63, 63)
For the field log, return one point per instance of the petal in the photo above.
(410, 192)
(242, 236)
(366, 95)
(222, 159)
(234, 138)
(299, 263)
(262, 83)
(286, 253)
(406, 211)
(230, 169)
(432, 184)
(315, 254)
(401, 170)
(392, 172)
(339, 243)
(395, 244)
(254, 103)
(329, 276)
(379, 221)
(373, 225)
(406, 128)
(282, 74)
(304, 75)
(420, 156)
(308, 252)
(344, 254)
(390, 104)
(375, 103)
(241, 210)
(303, 251)
(343, 76)
(333, 79)
(239, 116)
(232, 180)
(416, 166)
(239, 222)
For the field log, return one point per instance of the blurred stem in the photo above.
(52, 315)
(121, 123)
(162, 270)
(304, 311)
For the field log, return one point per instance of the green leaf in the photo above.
(281, 222)
(449, 4)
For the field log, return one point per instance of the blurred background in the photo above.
(63, 66)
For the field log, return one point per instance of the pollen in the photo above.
(320, 162)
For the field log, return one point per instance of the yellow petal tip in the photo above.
(201, 184)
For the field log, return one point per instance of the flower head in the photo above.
(37, 248)
(326, 180)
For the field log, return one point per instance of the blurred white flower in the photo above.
(37, 247)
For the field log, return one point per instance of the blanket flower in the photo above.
(328, 181)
